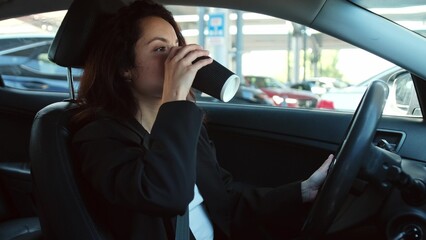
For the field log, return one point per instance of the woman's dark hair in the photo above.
(103, 86)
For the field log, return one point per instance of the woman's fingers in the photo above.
(187, 55)
(327, 162)
(322, 171)
(183, 51)
(180, 70)
(172, 53)
(181, 64)
(311, 186)
(203, 61)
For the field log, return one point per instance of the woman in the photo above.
(142, 152)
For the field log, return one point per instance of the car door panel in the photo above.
(15, 180)
(272, 146)
(414, 129)
(17, 111)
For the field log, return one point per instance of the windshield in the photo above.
(410, 14)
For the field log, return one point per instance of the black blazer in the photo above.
(135, 183)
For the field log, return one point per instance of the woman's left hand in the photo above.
(311, 185)
(180, 71)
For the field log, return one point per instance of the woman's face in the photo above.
(151, 51)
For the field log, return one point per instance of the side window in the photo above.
(44, 65)
(24, 62)
(285, 64)
(13, 42)
(280, 63)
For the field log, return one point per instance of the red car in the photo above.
(281, 94)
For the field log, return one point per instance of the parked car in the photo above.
(280, 93)
(320, 85)
(375, 188)
(10, 41)
(27, 66)
(244, 95)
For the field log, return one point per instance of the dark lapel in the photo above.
(134, 126)
(208, 179)
(211, 186)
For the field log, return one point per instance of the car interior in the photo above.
(264, 147)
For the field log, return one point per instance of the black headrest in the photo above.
(74, 37)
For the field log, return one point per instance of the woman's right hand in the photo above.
(311, 186)
(179, 71)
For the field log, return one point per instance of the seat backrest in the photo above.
(62, 212)
(61, 207)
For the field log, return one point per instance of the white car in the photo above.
(320, 85)
(347, 99)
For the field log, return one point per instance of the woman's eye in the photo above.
(160, 49)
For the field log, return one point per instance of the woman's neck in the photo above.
(148, 110)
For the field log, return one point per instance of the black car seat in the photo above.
(62, 211)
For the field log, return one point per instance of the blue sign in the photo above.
(216, 25)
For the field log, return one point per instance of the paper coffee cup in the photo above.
(217, 81)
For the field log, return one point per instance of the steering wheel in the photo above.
(356, 149)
